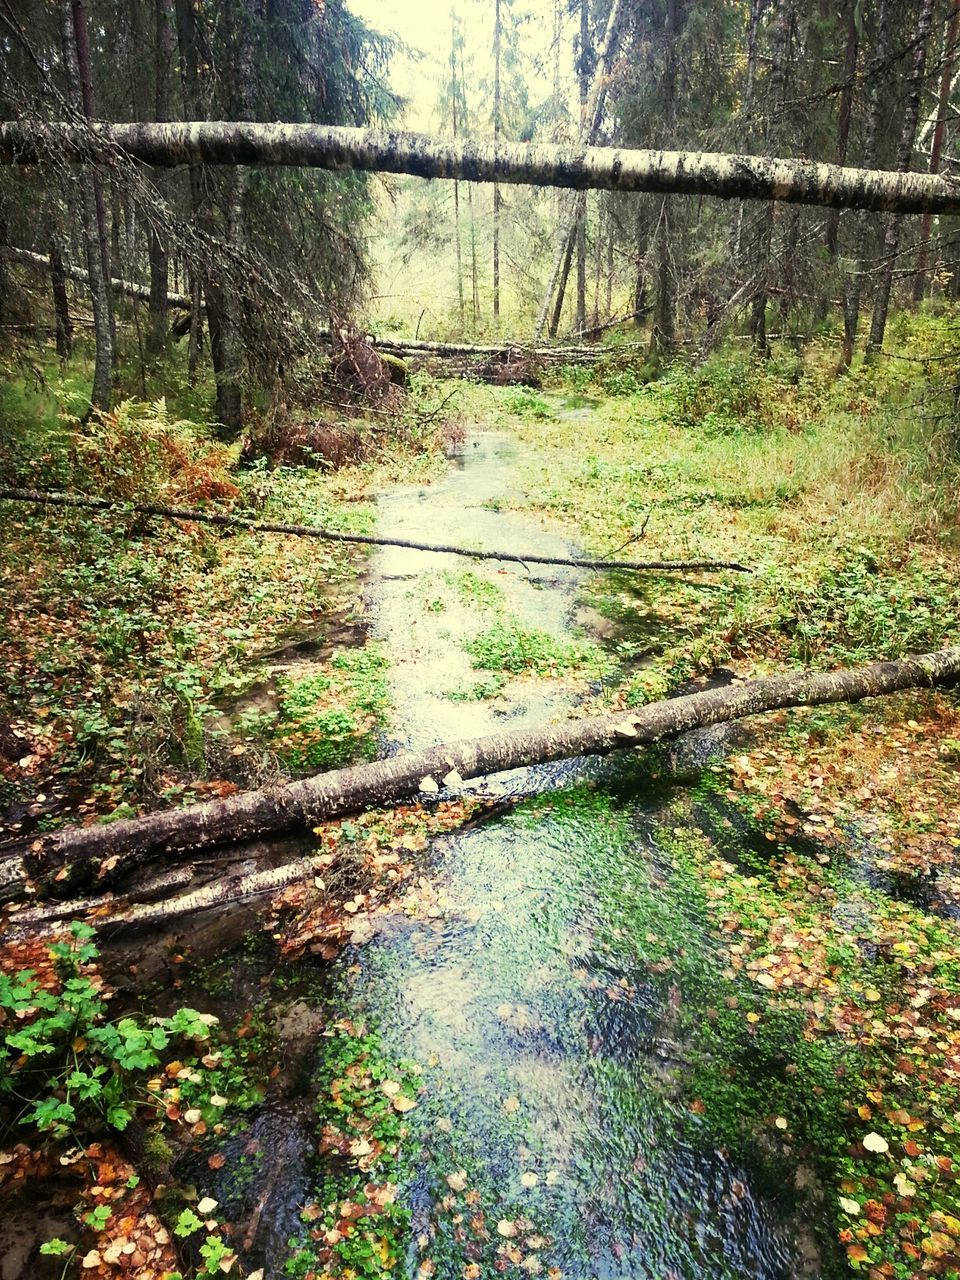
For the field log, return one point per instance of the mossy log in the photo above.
(59, 863)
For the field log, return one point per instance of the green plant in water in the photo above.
(363, 1102)
(508, 646)
(330, 718)
(527, 403)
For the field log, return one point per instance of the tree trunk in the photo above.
(4, 277)
(610, 263)
(753, 45)
(196, 311)
(891, 238)
(939, 132)
(60, 862)
(663, 335)
(778, 79)
(226, 521)
(562, 284)
(81, 37)
(720, 174)
(591, 115)
(138, 292)
(580, 318)
(496, 144)
(61, 309)
(223, 353)
(854, 289)
(844, 115)
(94, 243)
(454, 91)
(159, 260)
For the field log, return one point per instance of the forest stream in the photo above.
(550, 1045)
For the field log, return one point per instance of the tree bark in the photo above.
(562, 285)
(778, 79)
(844, 115)
(496, 144)
(454, 92)
(58, 863)
(225, 520)
(939, 132)
(854, 289)
(663, 335)
(746, 111)
(591, 115)
(61, 308)
(722, 174)
(159, 258)
(891, 238)
(139, 292)
(580, 317)
(94, 231)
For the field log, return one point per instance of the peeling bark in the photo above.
(57, 863)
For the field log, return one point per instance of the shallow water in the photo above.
(554, 1041)
(549, 1047)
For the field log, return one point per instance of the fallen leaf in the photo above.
(874, 1142)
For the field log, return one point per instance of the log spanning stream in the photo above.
(529, 987)
(555, 1054)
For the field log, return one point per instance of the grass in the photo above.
(507, 646)
(838, 493)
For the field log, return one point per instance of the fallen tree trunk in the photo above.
(58, 863)
(139, 292)
(411, 347)
(225, 520)
(722, 174)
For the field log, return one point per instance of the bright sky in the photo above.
(425, 25)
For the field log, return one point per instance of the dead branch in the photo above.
(225, 520)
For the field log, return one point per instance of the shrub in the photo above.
(730, 394)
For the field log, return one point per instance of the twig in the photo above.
(41, 498)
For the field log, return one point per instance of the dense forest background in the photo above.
(245, 268)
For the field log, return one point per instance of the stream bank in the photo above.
(635, 1020)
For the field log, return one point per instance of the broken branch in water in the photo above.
(56, 863)
(226, 520)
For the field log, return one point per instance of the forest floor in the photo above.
(803, 942)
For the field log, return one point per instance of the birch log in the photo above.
(58, 863)
(139, 292)
(722, 174)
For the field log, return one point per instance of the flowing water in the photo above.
(556, 997)
(552, 1052)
